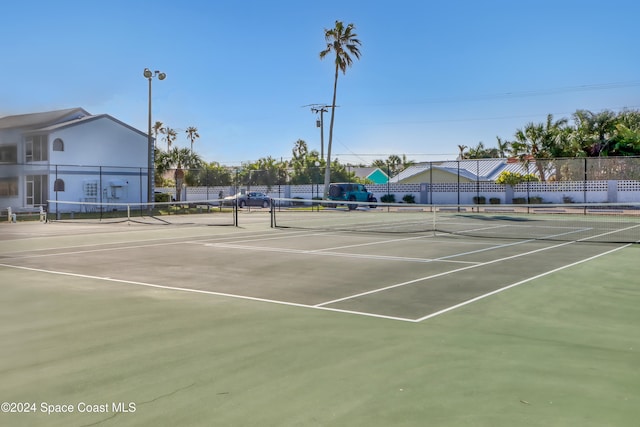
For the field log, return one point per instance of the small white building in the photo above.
(70, 155)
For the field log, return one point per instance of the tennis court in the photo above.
(399, 276)
(335, 285)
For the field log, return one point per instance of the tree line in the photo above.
(600, 134)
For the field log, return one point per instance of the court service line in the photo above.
(201, 291)
(397, 285)
(445, 273)
(123, 246)
(330, 254)
(379, 242)
(513, 285)
(506, 245)
(449, 256)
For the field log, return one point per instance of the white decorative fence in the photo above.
(612, 191)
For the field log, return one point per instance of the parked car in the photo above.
(349, 192)
(252, 198)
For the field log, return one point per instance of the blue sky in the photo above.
(433, 74)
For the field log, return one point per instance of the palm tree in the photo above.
(300, 151)
(192, 135)
(502, 147)
(532, 139)
(393, 163)
(343, 42)
(170, 136)
(406, 162)
(596, 130)
(158, 127)
(178, 158)
(462, 155)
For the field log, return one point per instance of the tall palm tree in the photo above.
(192, 135)
(170, 135)
(406, 162)
(158, 127)
(461, 154)
(502, 146)
(343, 42)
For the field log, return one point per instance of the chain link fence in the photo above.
(26, 187)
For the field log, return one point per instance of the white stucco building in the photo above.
(70, 155)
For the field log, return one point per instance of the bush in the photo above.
(535, 200)
(479, 200)
(494, 200)
(162, 197)
(409, 198)
(513, 178)
(388, 198)
(523, 200)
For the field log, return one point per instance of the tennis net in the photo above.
(593, 222)
(205, 212)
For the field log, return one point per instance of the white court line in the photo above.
(397, 285)
(326, 251)
(200, 291)
(316, 252)
(445, 273)
(513, 285)
(32, 252)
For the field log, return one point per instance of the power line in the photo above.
(525, 93)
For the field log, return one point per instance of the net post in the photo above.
(272, 213)
(235, 212)
(433, 217)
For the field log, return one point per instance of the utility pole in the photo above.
(320, 108)
(320, 123)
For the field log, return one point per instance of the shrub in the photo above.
(479, 200)
(494, 200)
(513, 178)
(519, 200)
(388, 198)
(535, 200)
(409, 198)
(162, 197)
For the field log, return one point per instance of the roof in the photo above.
(476, 169)
(54, 120)
(375, 174)
(39, 120)
(87, 119)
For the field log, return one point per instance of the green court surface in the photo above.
(142, 325)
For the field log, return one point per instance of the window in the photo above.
(36, 149)
(58, 145)
(58, 185)
(36, 191)
(9, 187)
(9, 154)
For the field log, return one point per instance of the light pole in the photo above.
(149, 75)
